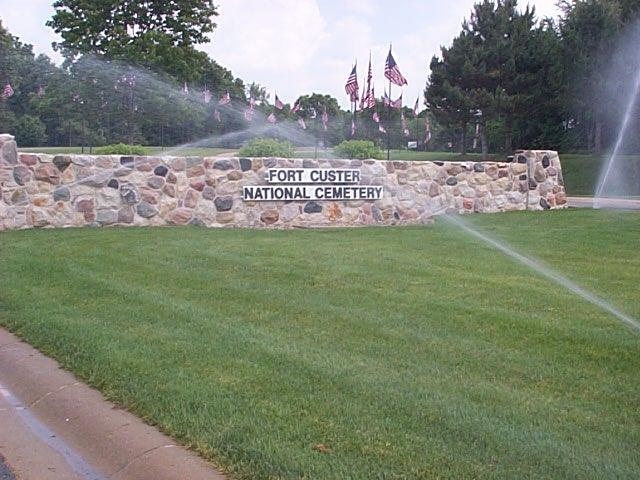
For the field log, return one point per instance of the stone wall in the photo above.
(38, 190)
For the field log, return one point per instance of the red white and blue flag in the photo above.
(279, 105)
(216, 115)
(405, 126)
(375, 117)
(207, 95)
(302, 124)
(351, 86)
(363, 97)
(397, 103)
(392, 72)
(415, 107)
(296, 107)
(369, 98)
(427, 128)
(271, 118)
(7, 92)
(225, 99)
(381, 128)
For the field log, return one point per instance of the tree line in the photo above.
(510, 80)
(132, 74)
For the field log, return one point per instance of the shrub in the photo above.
(267, 147)
(360, 149)
(121, 149)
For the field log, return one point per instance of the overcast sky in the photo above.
(299, 46)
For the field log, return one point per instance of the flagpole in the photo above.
(353, 133)
(389, 123)
(315, 129)
(389, 115)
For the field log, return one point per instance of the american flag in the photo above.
(371, 98)
(381, 128)
(302, 124)
(405, 126)
(313, 113)
(375, 117)
(351, 86)
(363, 98)
(225, 99)
(386, 101)
(392, 72)
(207, 95)
(248, 114)
(271, 118)
(279, 105)
(397, 103)
(415, 107)
(252, 102)
(296, 107)
(8, 91)
(216, 115)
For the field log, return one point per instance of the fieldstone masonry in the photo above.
(38, 190)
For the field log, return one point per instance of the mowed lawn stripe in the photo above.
(408, 352)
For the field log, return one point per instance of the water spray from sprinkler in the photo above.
(546, 272)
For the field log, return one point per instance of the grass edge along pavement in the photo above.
(398, 352)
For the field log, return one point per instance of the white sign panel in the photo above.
(312, 175)
(304, 184)
(311, 192)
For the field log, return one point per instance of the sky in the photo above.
(295, 47)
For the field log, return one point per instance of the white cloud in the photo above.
(263, 40)
(26, 19)
(299, 46)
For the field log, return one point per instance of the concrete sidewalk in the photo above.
(53, 427)
(606, 203)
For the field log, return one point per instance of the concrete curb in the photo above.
(604, 203)
(108, 442)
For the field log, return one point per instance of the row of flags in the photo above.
(249, 113)
(368, 97)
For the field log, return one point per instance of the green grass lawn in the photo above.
(582, 172)
(373, 353)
